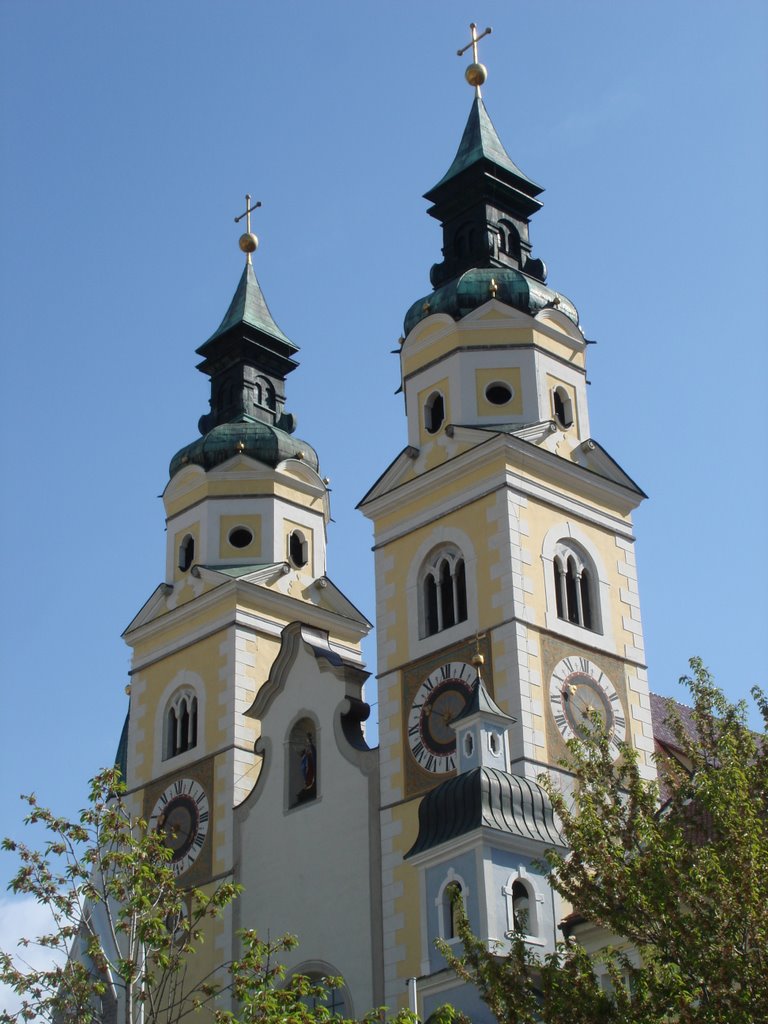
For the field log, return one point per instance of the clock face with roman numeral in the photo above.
(576, 689)
(182, 812)
(440, 698)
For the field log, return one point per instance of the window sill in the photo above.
(529, 940)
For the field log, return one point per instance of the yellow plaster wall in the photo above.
(404, 551)
(422, 348)
(261, 482)
(409, 902)
(207, 660)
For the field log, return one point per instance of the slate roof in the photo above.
(662, 733)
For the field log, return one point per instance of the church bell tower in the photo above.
(244, 739)
(502, 532)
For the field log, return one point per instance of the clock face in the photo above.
(440, 698)
(576, 689)
(182, 813)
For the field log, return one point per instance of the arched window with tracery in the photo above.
(575, 582)
(181, 723)
(443, 591)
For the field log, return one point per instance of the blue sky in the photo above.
(130, 134)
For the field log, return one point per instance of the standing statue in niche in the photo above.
(308, 771)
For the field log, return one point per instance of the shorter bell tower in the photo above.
(245, 726)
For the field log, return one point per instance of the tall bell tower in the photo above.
(244, 738)
(503, 533)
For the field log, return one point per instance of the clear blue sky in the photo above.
(131, 132)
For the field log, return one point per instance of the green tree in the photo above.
(124, 933)
(677, 871)
(108, 882)
(263, 996)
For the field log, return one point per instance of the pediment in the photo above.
(155, 606)
(398, 472)
(592, 456)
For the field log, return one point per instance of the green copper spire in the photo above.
(249, 307)
(480, 141)
(484, 203)
(247, 358)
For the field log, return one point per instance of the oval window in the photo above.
(498, 393)
(240, 537)
(469, 744)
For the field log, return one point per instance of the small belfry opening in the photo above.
(444, 591)
(498, 392)
(298, 549)
(181, 724)
(521, 909)
(574, 588)
(186, 553)
(562, 408)
(434, 412)
(452, 897)
(240, 537)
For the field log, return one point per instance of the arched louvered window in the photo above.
(181, 723)
(443, 591)
(575, 581)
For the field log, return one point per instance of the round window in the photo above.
(240, 537)
(498, 393)
(494, 743)
(469, 744)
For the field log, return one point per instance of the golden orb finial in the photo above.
(248, 242)
(477, 73)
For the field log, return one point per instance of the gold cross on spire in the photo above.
(248, 242)
(476, 73)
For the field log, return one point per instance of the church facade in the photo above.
(506, 608)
